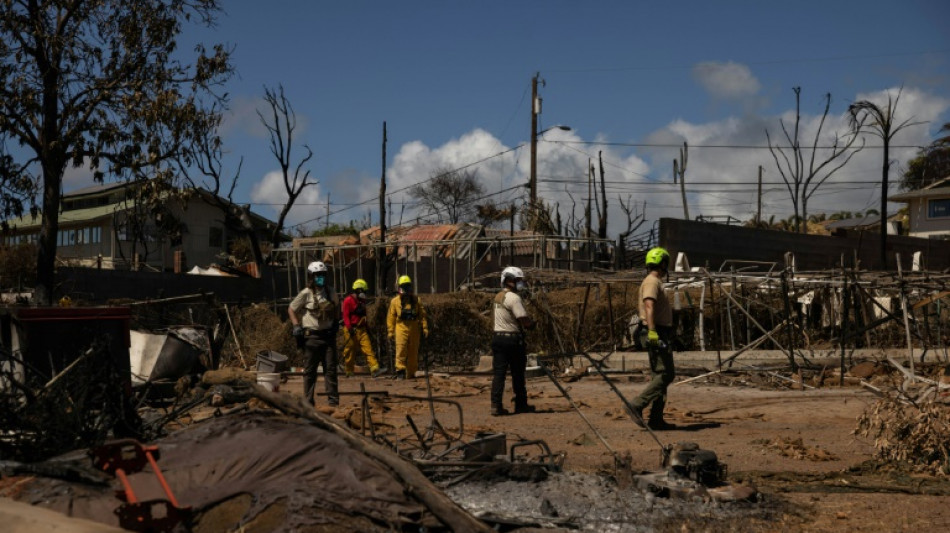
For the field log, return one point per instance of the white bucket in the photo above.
(269, 380)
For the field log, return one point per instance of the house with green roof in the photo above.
(111, 226)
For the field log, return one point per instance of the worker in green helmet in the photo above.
(656, 317)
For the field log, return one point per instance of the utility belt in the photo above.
(509, 334)
(310, 332)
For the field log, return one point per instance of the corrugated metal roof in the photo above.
(27, 222)
(926, 192)
(432, 232)
(94, 189)
(525, 247)
(328, 240)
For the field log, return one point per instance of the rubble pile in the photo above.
(911, 432)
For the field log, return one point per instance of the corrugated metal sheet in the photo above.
(464, 233)
(523, 247)
(415, 240)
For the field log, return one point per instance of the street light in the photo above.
(535, 111)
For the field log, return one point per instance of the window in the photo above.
(215, 237)
(939, 208)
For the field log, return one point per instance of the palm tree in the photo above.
(880, 121)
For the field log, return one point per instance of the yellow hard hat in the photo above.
(404, 280)
(360, 284)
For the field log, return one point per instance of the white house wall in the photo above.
(923, 226)
(200, 220)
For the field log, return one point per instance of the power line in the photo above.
(376, 198)
(690, 183)
(729, 146)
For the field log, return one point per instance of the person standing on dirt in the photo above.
(407, 325)
(355, 332)
(314, 313)
(656, 317)
(508, 343)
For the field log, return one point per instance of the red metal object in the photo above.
(120, 457)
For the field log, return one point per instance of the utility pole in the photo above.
(602, 230)
(681, 174)
(590, 194)
(758, 210)
(535, 111)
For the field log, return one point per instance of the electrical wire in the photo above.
(376, 198)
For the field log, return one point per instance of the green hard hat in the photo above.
(656, 256)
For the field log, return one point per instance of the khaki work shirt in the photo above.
(319, 309)
(509, 307)
(652, 287)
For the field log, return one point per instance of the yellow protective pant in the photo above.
(408, 334)
(358, 342)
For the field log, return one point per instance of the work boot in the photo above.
(636, 415)
(378, 371)
(525, 408)
(400, 374)
(658, 424)
(497, 410)
(348, 374)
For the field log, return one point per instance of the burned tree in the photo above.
(281, 125)
(203, 169)
(880, 122)
(635, 218)
(803, 178)
(98, 85)
(449, 192)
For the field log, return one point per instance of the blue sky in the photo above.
(453, 82)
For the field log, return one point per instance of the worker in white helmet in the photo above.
(314, 313)
(509, 350)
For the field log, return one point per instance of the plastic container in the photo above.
(271, 361)
(269, 380)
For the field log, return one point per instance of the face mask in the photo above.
(320, 281)
(361, 295)
(521, 286)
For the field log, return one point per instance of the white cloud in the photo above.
(726, 80)
(562, 168)
(242, 117)
(710, 171)
(270, 191)
(722, 167)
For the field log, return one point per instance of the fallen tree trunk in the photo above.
(446, 510)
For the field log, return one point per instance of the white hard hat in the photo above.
(316, 266)
(511, 272)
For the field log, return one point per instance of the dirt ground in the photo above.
(795, 446)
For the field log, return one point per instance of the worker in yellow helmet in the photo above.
(406, 321)
(355, 332)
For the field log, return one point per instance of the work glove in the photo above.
(297, 331)
(653, 337)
